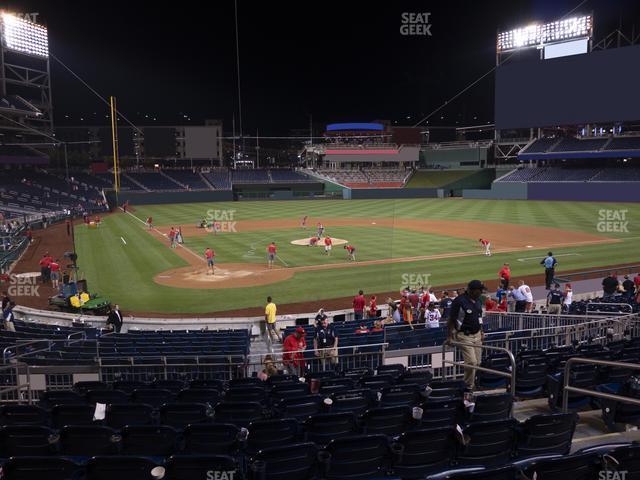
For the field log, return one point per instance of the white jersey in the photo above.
(568, 297)
(432, 318)
(526, 293)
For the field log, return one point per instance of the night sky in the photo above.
(174, 62)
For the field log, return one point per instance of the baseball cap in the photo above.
(300, 330)
(476, 285)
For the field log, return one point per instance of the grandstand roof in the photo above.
(337, 127)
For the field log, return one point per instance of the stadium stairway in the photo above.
(179, 184)
(135, 182)
(206, 181)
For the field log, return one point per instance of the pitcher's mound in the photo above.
(305, 242)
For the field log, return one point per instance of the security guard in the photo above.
(549, 269)
(465, 326)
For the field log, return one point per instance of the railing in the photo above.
(510, 375)
(593, 393)
(83, 336)
(12, 389)
(6, 352)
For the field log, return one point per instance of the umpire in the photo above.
(465, 326)
(549, 269)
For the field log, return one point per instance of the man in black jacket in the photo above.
(115, 319)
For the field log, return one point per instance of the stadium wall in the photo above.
(480, 179)
(591, 191)
(454, 158)
(150, 198)
(499, 191)
(390, 193)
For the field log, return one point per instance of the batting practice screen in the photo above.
(601, 86)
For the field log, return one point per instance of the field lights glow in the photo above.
(24, 36)
(540, 34)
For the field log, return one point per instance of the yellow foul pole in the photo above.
(114, 136)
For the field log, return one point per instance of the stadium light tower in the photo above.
(24, 69)
(568, 36)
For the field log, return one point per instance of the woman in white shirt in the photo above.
(568, 297)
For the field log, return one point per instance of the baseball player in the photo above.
(313, 241)
(486, 244)
(172, 237)
(351, 252)
(303, 223)
(327, 245)
(210, 257)
(150, 222)
(320, 230)
(272, 251)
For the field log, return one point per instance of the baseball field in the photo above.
(398, 243)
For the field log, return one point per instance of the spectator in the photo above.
(432, 316)
(54, 267)
(490, 305)
(465, 327)
(377, 326)
(373, 307)
(293, 348)
(8, 317)
(609, 286)
(362, 329)
(502, 306)
(549, 269)
(406, 311)
(115, 319)
(528, 296)
(358, 306)
(270, 318)
(45, 271)
(269, 369)
(325, 342)
(5, 300)
(518, 299)
(554, 300)
(445, 304)
(567, 297)
(505, 276)
(629, 287)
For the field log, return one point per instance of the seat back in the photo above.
(238, 413)
(149, 440)
(546, 434)
(491, 407)
(584, 466)
(62, 415)
(25, 440)
(23, 415)
(271, 433)
(406, 395)
(214, 439)
(324, 427)
(387, 420)
(441, 412)
(301, 407)
(199, 467)
(488, 443)
(209, 396)
(88, 440)
(425, 451)
(179, 415)
(106, 396)
(152, 396)
(120, 414)
(37, 468)
(358, 456)
(297, 461)
(120, 467)
(50, 398)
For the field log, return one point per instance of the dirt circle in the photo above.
(305, 242)
(226, 275)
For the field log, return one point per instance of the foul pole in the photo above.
(114, 136)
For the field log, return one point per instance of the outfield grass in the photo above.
(124, 272)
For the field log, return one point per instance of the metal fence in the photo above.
(15, 383)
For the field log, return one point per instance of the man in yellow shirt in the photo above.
(270, 319)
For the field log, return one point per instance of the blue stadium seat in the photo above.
(128, 386)
(50, 398)
(288, 390)
(208, 396)
(584, 466)
(496, 406)
(246, 394)
(271, 433)
(24, 440)
(421, 378)
(387, 420)
(298, 461)
(172, 385)
(23, 415)
(441, 412)
(120, 467)
(179, 415)
(355, 401)
(88, 440)
(324, 427)
(211, 383)
(299, 408)
(238, 413)
(149, 440)
(120, 414)
(62, 415)
(357, 457)
(211, 439)
(407, 395)
(424, 451)
(84, 387)
(507, 472)
(152, 396)
(200, 467)
(546, 434)
(106, 396)
(37, 468)
(488, 443)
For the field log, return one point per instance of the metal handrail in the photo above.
(83, 336)
(17, 345)
(511, 376)
(566, 388)
(619, 305)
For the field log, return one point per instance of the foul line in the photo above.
(540, 256)
(165, 235)
(282, 260)
(123, 240)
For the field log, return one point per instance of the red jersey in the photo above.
(505, 272)
(328, 241)
(350, 249)
(484, 242)
(373, 308)
(149, 220)
(172, 233)
(209, 253)
(55, 267)
(271, 248)
(358, 303)
(293, 349)
(45, 262)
